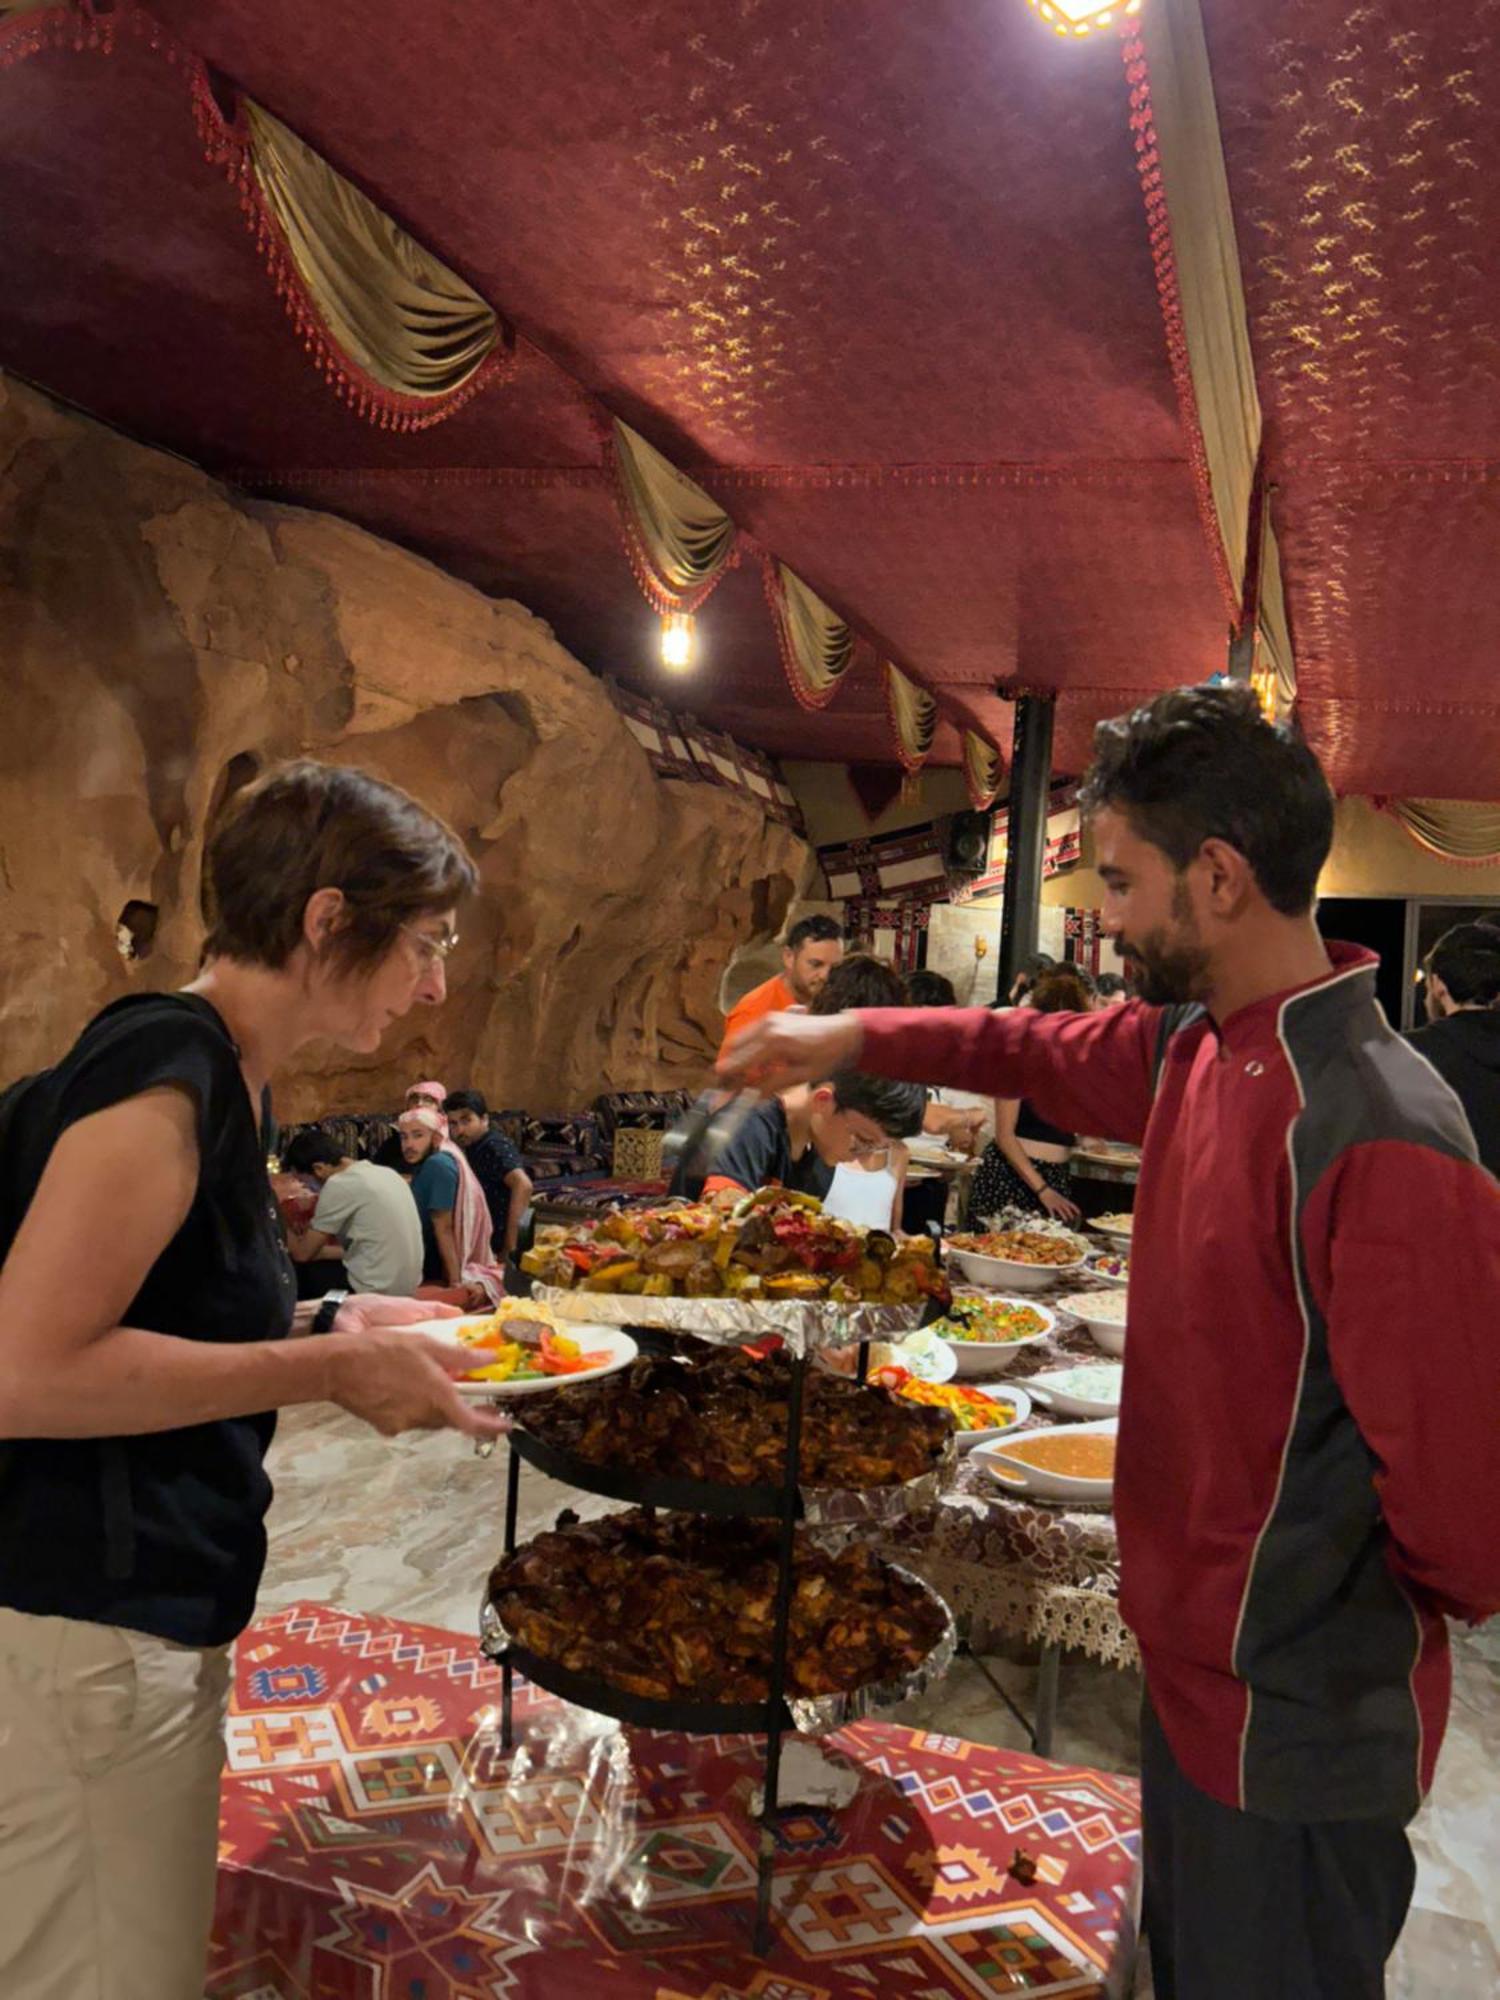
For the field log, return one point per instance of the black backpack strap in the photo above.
(1173, 1021)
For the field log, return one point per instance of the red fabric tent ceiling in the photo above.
(902, 242)
(1363, 154)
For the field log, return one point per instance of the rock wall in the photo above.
(161, 638)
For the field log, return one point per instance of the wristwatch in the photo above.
(328, 1311)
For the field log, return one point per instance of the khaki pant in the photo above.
(111, 1744)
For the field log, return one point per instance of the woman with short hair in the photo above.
(139, 1381)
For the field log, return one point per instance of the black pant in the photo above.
(1243, 1908)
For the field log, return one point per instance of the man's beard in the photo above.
(1165, 969)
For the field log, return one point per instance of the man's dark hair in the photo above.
(860, 980)
(814, 930)
(1467, 960)
(467, 1100)
(1109, 982)
(1060, 991)
(308, 826)
(930, 989)
(311, 1149)
(1202, 763)
(897, 1108)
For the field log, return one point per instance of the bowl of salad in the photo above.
(987, 1331)
(978, 1414)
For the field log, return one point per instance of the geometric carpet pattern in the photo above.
(376, 1844)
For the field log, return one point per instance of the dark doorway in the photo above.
(1379, 924)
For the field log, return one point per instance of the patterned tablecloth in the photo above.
(375, 1844)
(1048, 1574)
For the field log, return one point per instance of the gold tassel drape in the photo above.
(679, 542)
(817, 647)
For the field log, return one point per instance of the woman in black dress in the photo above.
(145, 1302)
(1026, 1164)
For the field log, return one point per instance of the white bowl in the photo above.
(995, 1357)
(1035, 1481)
(968, 1439)
(933, 1362)
(1051, 1390)
(1004, 1274)
(1108, 1334)
(1119, 1240)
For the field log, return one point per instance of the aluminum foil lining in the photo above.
(813, 1715)
(804, 1324)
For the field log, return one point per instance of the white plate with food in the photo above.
(522, 1351)
(1016, 1260)
(921, 1355)
(1089, 1389)
(1074, 1462)
(1103, 1313)
(1115, 1230)
(986, 1331)
(981, 1415)
(1113, 1264)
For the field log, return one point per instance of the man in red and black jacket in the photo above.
(1308, 1477)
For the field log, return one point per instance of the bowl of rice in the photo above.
(1104, 1314)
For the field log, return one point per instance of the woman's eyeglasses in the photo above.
(432, 950)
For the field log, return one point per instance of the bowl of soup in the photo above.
(1070, 1462)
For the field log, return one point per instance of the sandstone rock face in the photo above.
(162, 638)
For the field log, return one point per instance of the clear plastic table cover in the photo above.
(377, 1844)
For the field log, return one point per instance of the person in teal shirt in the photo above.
(434, 1188)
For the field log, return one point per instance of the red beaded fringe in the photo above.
(1159, 228)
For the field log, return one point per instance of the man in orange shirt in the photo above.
(813, 946)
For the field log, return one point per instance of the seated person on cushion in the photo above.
(434, 1189)
(797, 1138)
(498, 1166)
(365, 1214)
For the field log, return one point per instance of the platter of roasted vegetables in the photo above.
(771, 1253)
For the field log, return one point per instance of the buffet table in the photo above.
(1048, 1575)
(376, 1844)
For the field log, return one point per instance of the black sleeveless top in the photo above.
(1031, 1125)
(162, 1533)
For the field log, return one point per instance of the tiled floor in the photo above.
(411, 1527)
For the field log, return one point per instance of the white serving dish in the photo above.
(620, 1348)
(1035, 1481)
(931, 1362)
(967, 1440)
(1003, 1274)
(1108, 1334)
(1114, 1239)
(1099, 1259)
(975, 1358)
(1051, 1391)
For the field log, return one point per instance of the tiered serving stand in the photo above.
(805, 1327)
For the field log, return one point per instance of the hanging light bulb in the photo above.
(1082, 17)
(678, 641)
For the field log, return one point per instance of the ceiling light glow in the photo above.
(678, 641)
(1076, 18)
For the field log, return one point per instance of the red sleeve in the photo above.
(1090, 1073)
(1403, 1250)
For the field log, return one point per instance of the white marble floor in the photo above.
(411, 1527)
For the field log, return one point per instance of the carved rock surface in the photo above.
(161, 638)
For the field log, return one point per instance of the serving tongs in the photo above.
(695, 1145)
